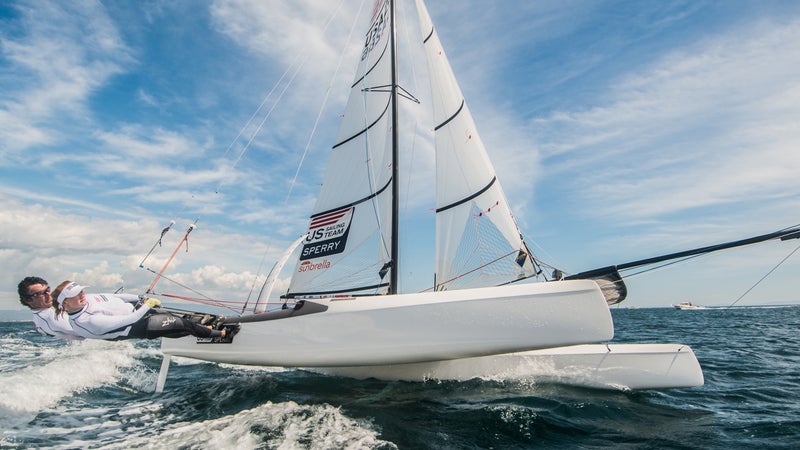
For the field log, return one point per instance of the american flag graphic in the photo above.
(329, 218)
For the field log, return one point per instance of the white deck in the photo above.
(413, 328)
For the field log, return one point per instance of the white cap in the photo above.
(71, 290)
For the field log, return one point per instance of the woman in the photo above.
(111, 320)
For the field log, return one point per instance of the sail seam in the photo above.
(368, 126)
(369, 197)
(464, 200)
(451, 117)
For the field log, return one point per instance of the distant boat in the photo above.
(687, 305)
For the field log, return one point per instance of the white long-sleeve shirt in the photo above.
(114, 304)
(100, 323)
(48, 324)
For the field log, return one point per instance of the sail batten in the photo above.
(369, 197)
(455, 114)
(367, 127)
(466, 199)
(425, 39)
(358, 81)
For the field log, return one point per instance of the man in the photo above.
(34, 292)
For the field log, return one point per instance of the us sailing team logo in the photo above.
(327, 234)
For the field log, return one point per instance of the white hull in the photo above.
(615, 366)
(687, 306)
(413, 328)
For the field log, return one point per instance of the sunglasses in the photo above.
(36, 294)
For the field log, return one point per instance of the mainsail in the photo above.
(348, 246)
(349, 237)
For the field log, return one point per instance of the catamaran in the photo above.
(343, 306)
(342, 312)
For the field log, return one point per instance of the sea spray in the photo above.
(61, 371)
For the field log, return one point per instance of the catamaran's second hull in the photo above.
(605, 366)
(421, 327)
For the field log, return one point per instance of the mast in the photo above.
(357, 206)
(395, 185)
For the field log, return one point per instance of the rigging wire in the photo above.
(325, 98)
(267, 115)
(244, 150)
(157, 243)
(707, 250)
(232, 143)
(764, 277)
(255, 113)
(294, 69)
(313, 129)
(172, 280)
(677, 261)
(236, 139)
(442, 283)
(225, 304)
(308, 143)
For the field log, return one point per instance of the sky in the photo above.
(620, 130)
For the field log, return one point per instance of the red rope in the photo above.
(215, 302)
(203, 300)
(166, 264)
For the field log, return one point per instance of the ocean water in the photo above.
(96, 394)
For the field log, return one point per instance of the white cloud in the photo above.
(57, 62)
(284, 30)
(137, 143)
(709, 124)
(105, 253)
